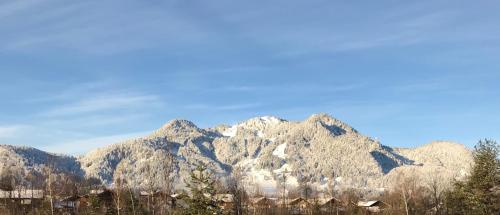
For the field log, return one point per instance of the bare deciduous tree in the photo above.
(436, 185)
(237, 189)
(119, 184)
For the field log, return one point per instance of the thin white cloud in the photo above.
(151, 24)
(9, 8)
(90, 88)
(291, 88)
(227, 107)
(79, 147)
(77, 112)
(95, 120)
(10, 131)
(93, 27)
(102, 103)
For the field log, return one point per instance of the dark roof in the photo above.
(297, 201)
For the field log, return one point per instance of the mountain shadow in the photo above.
(385, 162)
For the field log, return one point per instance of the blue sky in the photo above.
(76, 75)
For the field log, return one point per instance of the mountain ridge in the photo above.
(318, 150)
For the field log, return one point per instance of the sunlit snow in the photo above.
(280, 151)
(230, 132)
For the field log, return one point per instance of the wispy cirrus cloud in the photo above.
(290, 88)
(82, 112)
(224, 107)
(91, 27)
(10, 130)
(97, 31)
(95, 120)
(81, 146)
(75, 91)
(94, 99)
(235, 59)
(102, 103)
(9, 8)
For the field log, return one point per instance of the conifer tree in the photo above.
(202, 193)
(479, 194)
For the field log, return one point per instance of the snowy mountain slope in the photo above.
(436, 161)
(439, 153)
(316, 150)
(189, 145)
(27, 159)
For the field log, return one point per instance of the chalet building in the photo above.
(178, 200)
(225, 201)
(374, 206)
(262, 205)
(299, 206)
(148, 197)
(23, 197)
(147, 194)
(71, 203)
(105, 196)
(102, 194)
(67, 202)
(330, 205)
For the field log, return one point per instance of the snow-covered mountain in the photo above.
(20, 160)
(317, 151)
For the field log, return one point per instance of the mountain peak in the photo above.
(179, 124)
(330, 122)
(257, 124)
(323, 117)
(268, 120)
(176, 126)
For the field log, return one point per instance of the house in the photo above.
(71, 202)
(225, 201)
(103, 196)
(262, 202)
(100, 200)
(373, 206)
(262, 205)
(329, 204)
(299, 206)
(97, 192)
(147, 196)
(66, 203)
(178, 200)
(23, 196)
(102, 193)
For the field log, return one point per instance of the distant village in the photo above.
(60, 193)
(104, 201)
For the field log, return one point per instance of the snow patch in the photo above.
(260, 134)
(263, 178)
(230, 132)
(292, 181)
(285, 168)
(280, 151)
(257, 125)
(270, 120)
